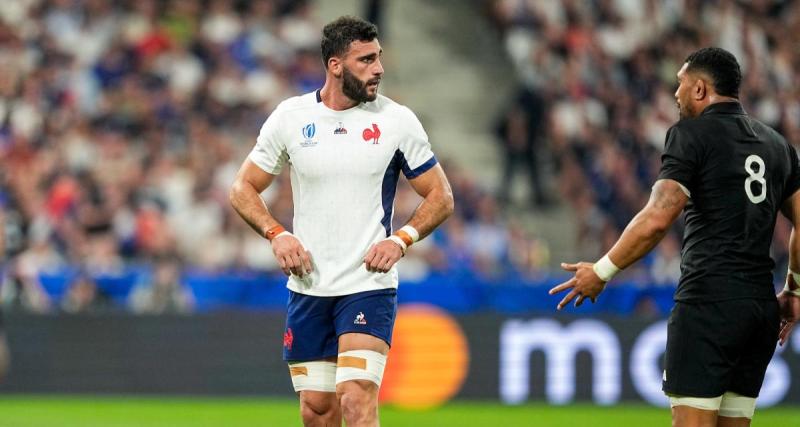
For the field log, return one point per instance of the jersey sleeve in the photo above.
(270, 152)
(414, 146)
(793, 182)
(681, 158)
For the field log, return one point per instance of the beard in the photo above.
(686, 110)
(356, 89)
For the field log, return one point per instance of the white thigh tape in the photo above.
(360, 365)
(707, 403)
(737, 406)
(313, 376)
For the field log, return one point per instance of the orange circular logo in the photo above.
(428, 360)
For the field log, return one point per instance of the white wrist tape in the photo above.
(796, 278)
(605, 269)
(412, 232)
(399, 241)
(360, 365)
(283, 233)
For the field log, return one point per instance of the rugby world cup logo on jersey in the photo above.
(372, 134)
(340, 130)
(309, 131)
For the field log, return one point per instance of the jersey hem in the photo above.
(338, 294)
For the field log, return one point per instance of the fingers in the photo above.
(786, 330)
(382, 256)
(579, 301)
(382, 264)
(570, 296)
(369, 257)
(305, 257)
(292, 256)
(283, 265)
(297, 264)
(569, 267)
(566, 285)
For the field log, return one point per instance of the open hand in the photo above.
(584, 285)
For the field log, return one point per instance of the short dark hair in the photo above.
(721, 66)
(338, 34)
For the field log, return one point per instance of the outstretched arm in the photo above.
(648, 227)
(245, 197)
(436, 206)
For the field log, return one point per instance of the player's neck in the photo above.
(335, 99)
(716, 99)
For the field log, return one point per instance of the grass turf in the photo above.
(28, 411)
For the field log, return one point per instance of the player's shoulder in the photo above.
(767, 131)
(385, 105)
(294, 103)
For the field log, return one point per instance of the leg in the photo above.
(314, 383)
(736, 410)
(361, 361)
(694, 411)
(686, 416)
(319, 409)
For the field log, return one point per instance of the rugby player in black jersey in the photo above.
(731, 174)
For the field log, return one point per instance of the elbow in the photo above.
(449, 204)
(233, 193)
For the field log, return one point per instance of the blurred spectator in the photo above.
(21, 288)
(607, 69)
(162, 292)
(82, 296)
(520, 132)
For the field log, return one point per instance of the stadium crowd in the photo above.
(122, 125)
(596, 98)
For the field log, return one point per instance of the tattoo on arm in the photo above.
(665, 196)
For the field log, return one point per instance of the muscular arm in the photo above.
(649, 226)
(245, 197)
(437, 204)
(642, 234)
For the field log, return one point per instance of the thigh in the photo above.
(371, 314)
(310, 330)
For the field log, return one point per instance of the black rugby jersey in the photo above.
(738, 172)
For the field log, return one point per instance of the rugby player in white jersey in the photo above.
(346, 146)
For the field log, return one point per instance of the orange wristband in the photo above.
(274, 231)
(405, 237)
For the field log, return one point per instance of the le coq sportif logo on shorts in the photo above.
(360, 319)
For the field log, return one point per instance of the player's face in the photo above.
(362, 71)
(683, 94)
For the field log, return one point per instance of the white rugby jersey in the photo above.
(344, 171)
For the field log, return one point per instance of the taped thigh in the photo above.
(360, 365)
(705, 403)
(735, 405)
(313, 376)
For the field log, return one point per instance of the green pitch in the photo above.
(30, 411)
